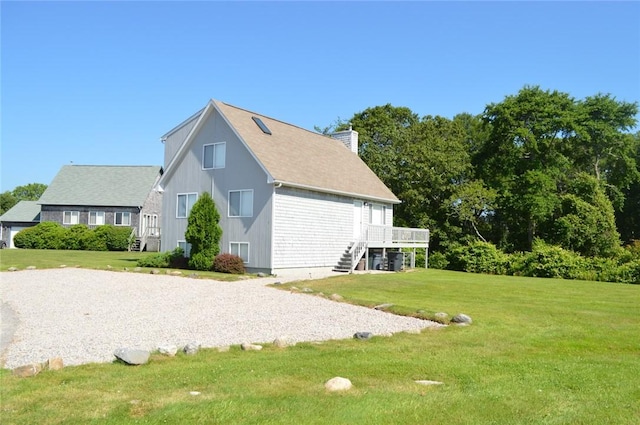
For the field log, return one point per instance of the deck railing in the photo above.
(395, 235)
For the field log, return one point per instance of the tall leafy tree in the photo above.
(203, 233)
(7, 201)
(603, 146)
(29, 192)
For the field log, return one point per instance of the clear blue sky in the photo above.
(100, 82)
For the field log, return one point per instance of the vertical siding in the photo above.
(240, 172)
(310, 229)
(174, 140)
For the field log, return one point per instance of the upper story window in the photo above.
(122, 219)
(185, 203)
(213, 156)
(96, 218)
(70, 217)
(241, 203)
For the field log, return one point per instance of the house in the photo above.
(289, 198)
(22, 215)
(95, 195)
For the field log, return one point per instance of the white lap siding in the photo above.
(310, 229)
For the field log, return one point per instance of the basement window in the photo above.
(262, 125)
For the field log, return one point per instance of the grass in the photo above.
(100, 260)
(539, 352)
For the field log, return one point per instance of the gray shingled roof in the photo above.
(23, 212)
(101, 185)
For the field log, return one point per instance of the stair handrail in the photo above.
(358, 248)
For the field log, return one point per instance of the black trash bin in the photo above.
(375, 261)
(395, 260)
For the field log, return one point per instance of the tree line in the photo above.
(540, 165)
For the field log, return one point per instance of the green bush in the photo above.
(552, 261)
(75, 236)
(115, 238)
(437, 260)
(173, 259)
(477, 257)
(203, 233)
(629, 272)
(228, 263)
(202, 260)
(46, 235)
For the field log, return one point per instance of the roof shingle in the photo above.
(101, 185)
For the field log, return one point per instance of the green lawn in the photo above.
(539, 352)
(103, 260)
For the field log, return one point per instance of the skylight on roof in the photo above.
(262, 125)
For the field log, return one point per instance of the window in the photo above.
(185, 203)
(213, 156)
(241, 203)
(70, 217)
(262, 125)
(241, 249)
(377, 214)
(122, 219)
(186, 247)
(96, 218)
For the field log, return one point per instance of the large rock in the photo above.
(191, 348)
(250, 347)
(362, 335)
(168, 350)
(27, 371)
(132, 356)
(54, 363)
(461, 319)
(338, 384)
(428, 382)
(284, 341)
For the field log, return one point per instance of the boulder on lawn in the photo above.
(132, 356)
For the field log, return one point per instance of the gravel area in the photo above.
(84, 315)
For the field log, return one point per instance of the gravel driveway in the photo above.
(84, 315)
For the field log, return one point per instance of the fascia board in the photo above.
(337, 192)
(177, 158)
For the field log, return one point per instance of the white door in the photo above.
(357, 219)
(14, 230)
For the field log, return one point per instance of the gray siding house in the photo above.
(288, 198)
(95, 195)
(22, 215)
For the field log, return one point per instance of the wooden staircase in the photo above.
(344, 263)
(351, 256)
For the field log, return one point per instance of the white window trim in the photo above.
(97, 213)
(229, 203)
(115, 215)
(383, 214)
(224, 160)
(71, 214)
(186, 244)
(248, 250)
(178, 203)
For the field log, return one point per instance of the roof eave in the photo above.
(337, 192)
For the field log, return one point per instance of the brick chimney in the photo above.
(349, 138)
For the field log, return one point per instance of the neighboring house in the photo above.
(22, 215)
(288, 198)
(95, 195)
